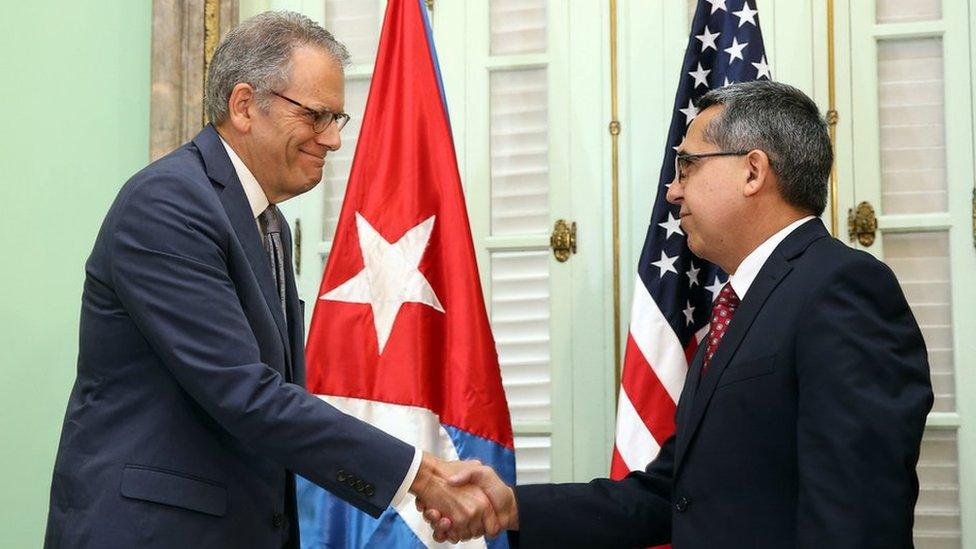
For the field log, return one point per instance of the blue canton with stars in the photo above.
(725, 47)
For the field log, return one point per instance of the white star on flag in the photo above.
(717, 5)
(690, 112)
(715, 288)
(727, 83)
(672, 225)
(665, 264)
(700, 75)
(762, 67)
(746, 15)
(708, 39)
(389, 277)
(689, 312)
(736, 50)
(692, 274)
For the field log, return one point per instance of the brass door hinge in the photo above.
(563, 240)
(862, 224)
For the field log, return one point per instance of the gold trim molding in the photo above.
(832, 116)
(211, 36)
(614, 129)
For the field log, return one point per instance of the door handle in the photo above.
(563, 240)
(862, 224)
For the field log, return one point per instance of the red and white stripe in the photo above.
(655, 366)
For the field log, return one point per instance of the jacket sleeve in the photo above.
(632, 512)
(170, 272)
(863, 396)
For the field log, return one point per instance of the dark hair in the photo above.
(784, 123)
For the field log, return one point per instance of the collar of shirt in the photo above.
(255, 194)
(749, 268)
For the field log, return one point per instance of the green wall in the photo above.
(74, 125)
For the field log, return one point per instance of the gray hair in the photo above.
(258, 52)
(784, 123)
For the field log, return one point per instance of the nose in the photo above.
(329, 138)
(675, 193)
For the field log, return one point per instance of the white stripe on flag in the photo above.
(702, 332)
(657, 341)
(635, 443)
(413, 425)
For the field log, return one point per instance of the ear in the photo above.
(242, 106)
(760, 172)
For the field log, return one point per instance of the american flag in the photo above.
(674, 290)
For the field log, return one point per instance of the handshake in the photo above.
(462, 500)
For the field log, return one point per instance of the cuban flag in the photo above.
(400, 336)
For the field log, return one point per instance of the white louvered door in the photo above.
(534, 130)
(912, 162)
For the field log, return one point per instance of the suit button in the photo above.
(359, 485)
(370, 490)
(342, 475)
(276, 520)
(681, 504)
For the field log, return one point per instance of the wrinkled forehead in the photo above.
(318, 77)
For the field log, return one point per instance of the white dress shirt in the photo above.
(749, 268)
(259, 202)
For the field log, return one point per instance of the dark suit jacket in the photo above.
(804, 432)
(188, 414)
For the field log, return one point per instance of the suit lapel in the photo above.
(776, 268)
(220, 170)
(688, 392)
(296, 322)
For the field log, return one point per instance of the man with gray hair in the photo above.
(188, 419)
(802, 413)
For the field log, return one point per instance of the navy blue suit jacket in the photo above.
(188, 416)
(804, 432)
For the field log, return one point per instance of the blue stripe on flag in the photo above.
(501, 459)
(437, 65)
(469, 446)
(327, 521)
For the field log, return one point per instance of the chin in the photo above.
(306, 186)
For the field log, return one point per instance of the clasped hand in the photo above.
(462, 500)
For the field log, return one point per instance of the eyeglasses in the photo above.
(320, 119)
(683, 160)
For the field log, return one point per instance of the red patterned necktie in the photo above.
(722, 312)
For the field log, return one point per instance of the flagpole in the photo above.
(832, 116)
(615, 183)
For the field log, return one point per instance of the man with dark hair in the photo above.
(801, 417)
(189, 419)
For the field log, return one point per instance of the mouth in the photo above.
(319, 160)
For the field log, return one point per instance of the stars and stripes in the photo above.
(674, 291)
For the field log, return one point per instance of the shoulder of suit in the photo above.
(829, 260)
(180, 171)
(178, 179)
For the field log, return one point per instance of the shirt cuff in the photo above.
(418, 455)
